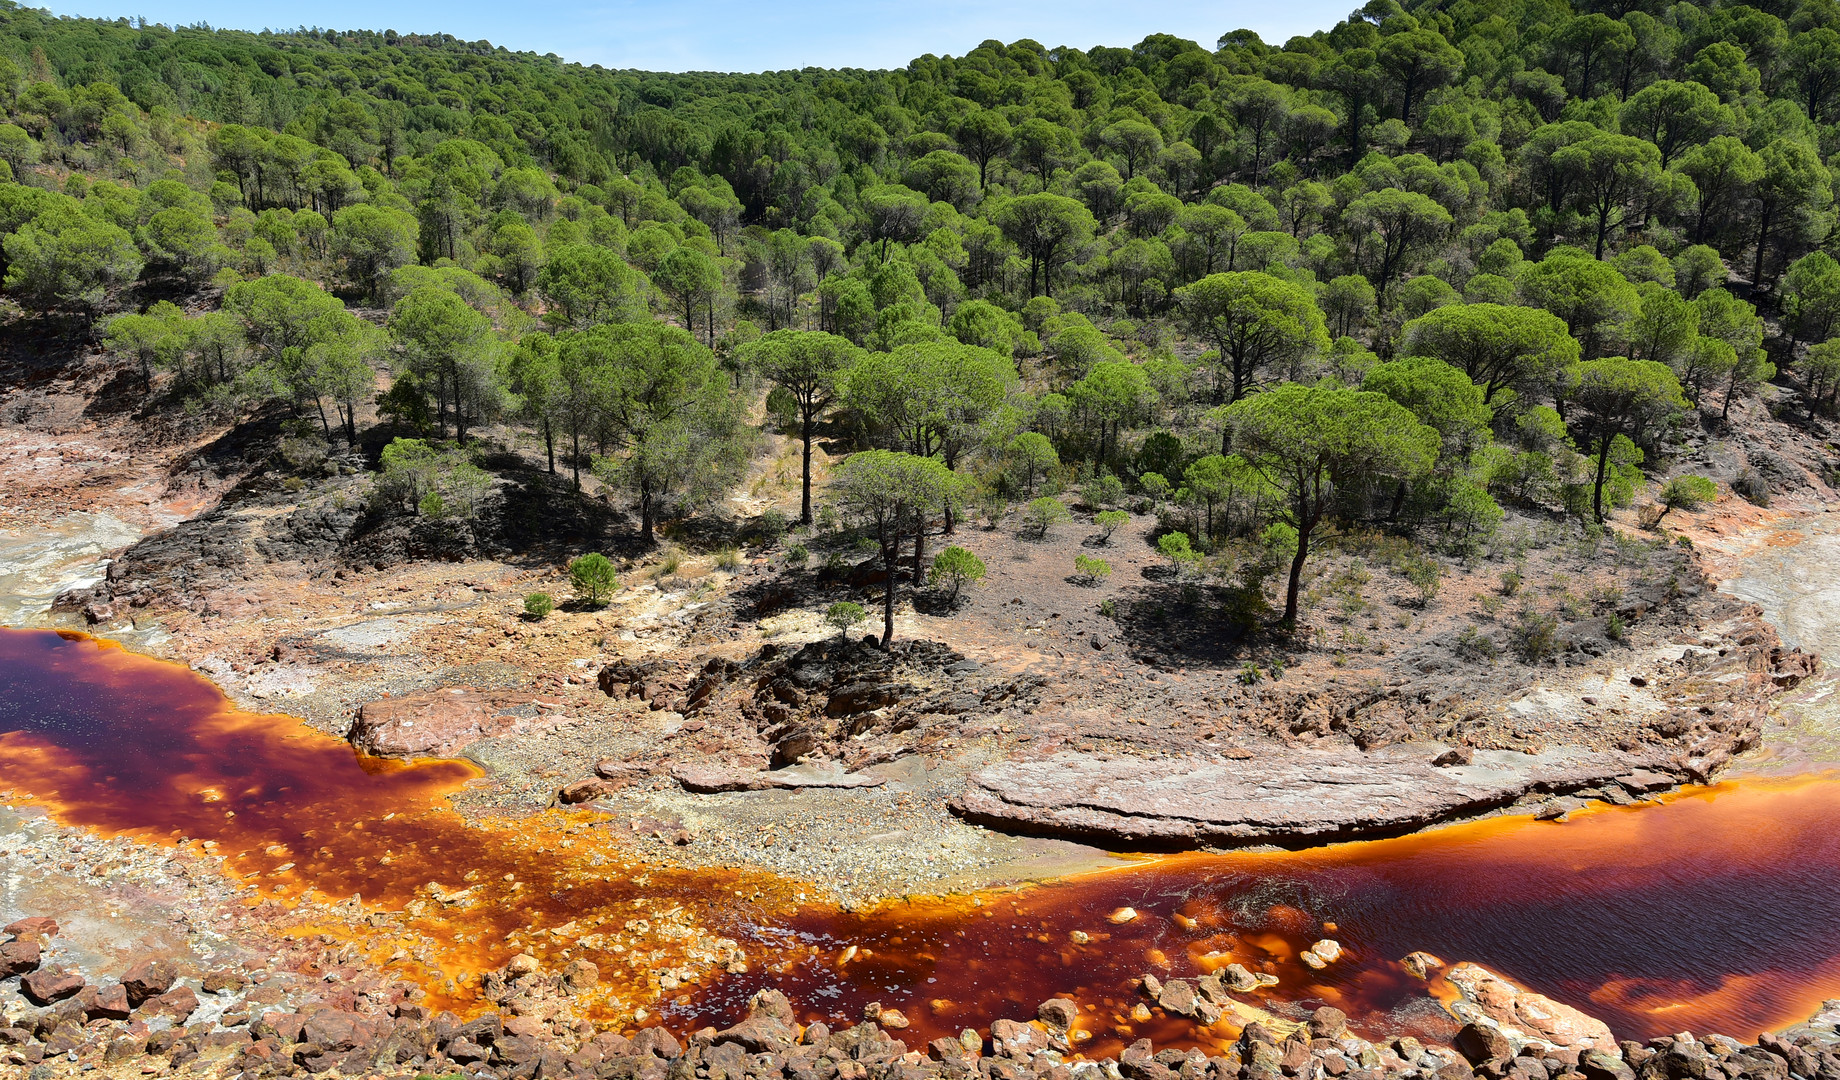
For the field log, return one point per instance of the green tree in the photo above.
(589, 285)
(1608, 172)
(1046, 227)
(1254, 321)
(592, 576)
(810, 365)
(1793, 188)
(446, 339)
(1674, 116)
(884, 489)
(1811, 296)
(1035, 456)
(374, 241)
(694, 280)
(1595, 301)
(1501, 348)
(983, 135)
(843, 615)
(1685, 493)
(1617, 396)
(1403, 222)
(67, 259)
(1310, 442)
(956, 567)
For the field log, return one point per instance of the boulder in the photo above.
(44, 986)
(436, 723)
(579, 976)
(1239, 980)
(1328, 1022)
(111, 1003)
(33, 926)
(588, 790)
(1058, 1013)
(1535, 1016)
(1482, 1044)
(148, 979)
(1177, 998)
(19, 957)
(179, 1003)
(1420, 965)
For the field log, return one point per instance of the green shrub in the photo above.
(1425, 574)
(957, 567)
(1042, 514)
(1110, 522)
(1614, 627)
(728, 559)
(797, 555)
(1686, 493)
(1176, 548)
(1091, 571)
(432, 506)
(539, 604)
(1534, 636)
(772, 526)
(1473, 644)
(1102, 490)
(1108, 608)
(593, 577)
(844, 614)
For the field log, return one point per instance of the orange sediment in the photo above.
(1716, 911)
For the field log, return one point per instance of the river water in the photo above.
(1716, 911)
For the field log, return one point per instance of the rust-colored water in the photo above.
(1717, 911)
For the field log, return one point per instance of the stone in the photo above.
(33, 926)
(465, 1051)
(893, 1019)
(1318, 793)
(44, 986)
(1482, 1044)
(588, 790)
(1537, 1015)
(522, 964)
(436, 723)
(179, 1003)
(1177, 998)
(111, 1003)
(579, 976)
(223, 981)
(1328, 1022)
(148, 979)
(19, 957)
(1459, 755)
(1240, 980)
(1058, 1013)
(1420, 965)
(1322, 954)
(1122, 915)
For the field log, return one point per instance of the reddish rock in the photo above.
(219, 981)
(37, 926)
(179, 1004)
(148, 979)
(582, 791)
(1482, 1045)
(18, 957)
(438, 723)
(1535, 1015)
(111, 1003)
(44, 986)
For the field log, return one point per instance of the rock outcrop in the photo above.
(439, 723)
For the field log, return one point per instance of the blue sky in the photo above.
(753, 35)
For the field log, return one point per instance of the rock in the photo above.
(178, 1003)
(1319, 793)
(1535, 1015)
(465, 1052)
(223, 980)
(1122, 915)
(582, 791)
(111, 1003)
(437, 723)
(1643, 781)
(1239, 980)
(522, 964)
(1177, 998)
(1482, 1044)
(33, 926)
(893, 1019)
(44, 986)
(148, 979)
(1058, 1013)
(1328, 1023)
(1458, 755)
(1599, 1065)
(655, 1042)
(19, 957)
(580, 975)
(1420, 965)
(1322, 954)
(711, 779)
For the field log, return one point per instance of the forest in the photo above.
(1435, 264)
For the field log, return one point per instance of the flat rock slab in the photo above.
(709, 780)
(438, 723)
(1283, 796)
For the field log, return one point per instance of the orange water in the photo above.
(1717, 911)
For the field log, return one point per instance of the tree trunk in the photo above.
(645, 513)
(1603, 468)
(805, 497)
(1297, 560)
(549, 446)
(890, 556)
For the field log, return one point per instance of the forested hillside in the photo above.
(1400, 273)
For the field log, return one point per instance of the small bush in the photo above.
(956, 567)
(673, 559)
(593, 577)
(1473, 644)
(1425, 574)
(539, 604)
(1108, 608)
(1091, 571)
(1110, 522)
(797, 555)
(1102, 490)
(1510, 582)
(432, 506)
(1042, 514)
(1176, 548)
(1614, 627)
(1534, 636)
(844, 614)
(728, 559)
(772, 526)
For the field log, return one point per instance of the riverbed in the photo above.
(1717, 909)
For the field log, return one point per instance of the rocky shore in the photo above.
(149, 1021)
